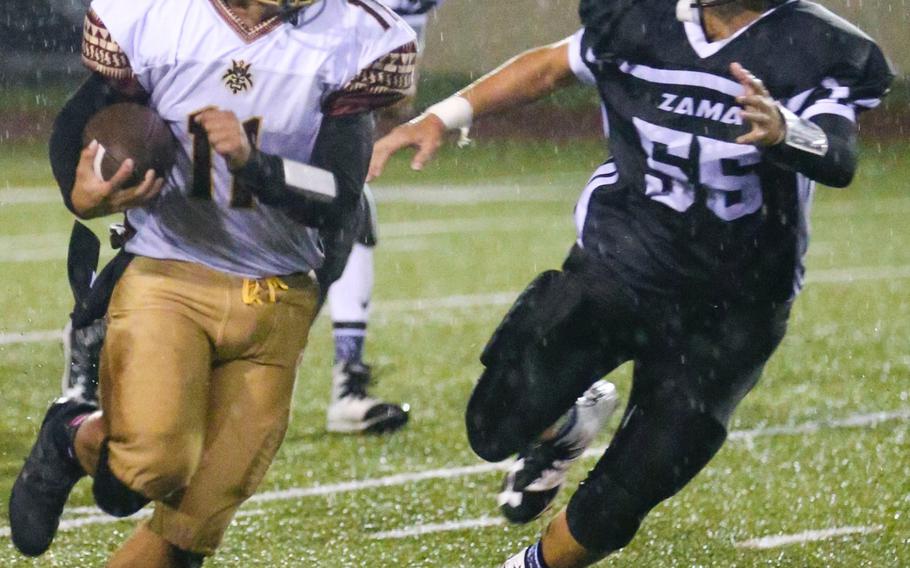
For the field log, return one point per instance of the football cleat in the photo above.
(81, 356)
(353, 410)
(538, 473)
(44, 484)
(517, 561)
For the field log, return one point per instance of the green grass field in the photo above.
(822, 443)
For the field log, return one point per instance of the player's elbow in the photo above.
(841, 168)
(557, 70)
(839, 179)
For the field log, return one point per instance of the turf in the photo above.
(846, 354)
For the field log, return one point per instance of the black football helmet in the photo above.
(684, 8)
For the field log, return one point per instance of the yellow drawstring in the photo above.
(252, 289)
(274, 283)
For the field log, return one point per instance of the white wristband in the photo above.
(309, 181)
(455, 112)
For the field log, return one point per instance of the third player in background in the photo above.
(352, 409)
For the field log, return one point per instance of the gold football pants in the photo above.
(197, 374)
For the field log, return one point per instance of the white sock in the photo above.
(349, 304)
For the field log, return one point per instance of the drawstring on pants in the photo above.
(252, 290)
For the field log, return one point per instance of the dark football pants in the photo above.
(694, 362)
(197, 375)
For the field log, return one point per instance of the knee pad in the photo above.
(495, 429)
(111, 495)
(514, 401)
(547, 302)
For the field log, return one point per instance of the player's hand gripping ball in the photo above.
(131, 131)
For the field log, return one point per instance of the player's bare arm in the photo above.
(94, 197)
(521, 80)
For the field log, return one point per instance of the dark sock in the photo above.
(534, 556)
(349, 341)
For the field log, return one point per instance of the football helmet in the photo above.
(686, 9)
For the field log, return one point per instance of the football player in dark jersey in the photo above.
(691, 239)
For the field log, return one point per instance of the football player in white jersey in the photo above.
(352, 409)
(270, 101)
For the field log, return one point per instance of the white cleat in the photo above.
(517, 561)
(353, 410)
(535, 478)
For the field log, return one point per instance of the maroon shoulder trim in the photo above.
(384, 82)
(100, 52)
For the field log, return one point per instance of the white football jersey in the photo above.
(193, 54)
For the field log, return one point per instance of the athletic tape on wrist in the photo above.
(802, 134)
(310, 181)
(454, 112)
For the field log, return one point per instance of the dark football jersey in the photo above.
(702, 210)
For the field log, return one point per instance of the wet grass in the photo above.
(846, 353)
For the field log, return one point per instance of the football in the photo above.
(130, 130)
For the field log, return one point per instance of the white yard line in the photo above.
(448, 526)
(469, 224)
(18, 195)
(93, 516)
(40, 254)
(96, 517)
(428, 194)
(458, 301)
(471, 194)
(395, 237)
(777, 541)
(347, 486)
(33, 240)
(463, 301)
(853, 421)
(381, 307)
(560, 189)
(859, 273)
(21, 337)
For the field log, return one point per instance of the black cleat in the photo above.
(353, 410)
(46, 479)
(538, 473)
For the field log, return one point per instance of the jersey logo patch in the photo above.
(238, 78)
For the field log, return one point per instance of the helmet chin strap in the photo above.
(289, 13)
